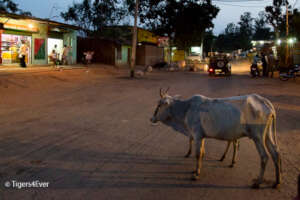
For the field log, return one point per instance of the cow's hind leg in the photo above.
(263, 159)
(276, 159)
(190, 147)
(235, 149)
(199, 156)
(226, 150)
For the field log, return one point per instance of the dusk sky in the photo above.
(230, 11)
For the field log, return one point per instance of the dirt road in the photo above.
(88, 134)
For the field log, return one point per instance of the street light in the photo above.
(291, 40)
(278, 42)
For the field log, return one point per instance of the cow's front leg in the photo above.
(199, 155)
(190, 147)
(235, 149)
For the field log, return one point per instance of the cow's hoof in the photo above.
(194, 172)
(195, 177)
(187, 155)
(255, 185)
(276, 186)
(231, 166)
(221, 160)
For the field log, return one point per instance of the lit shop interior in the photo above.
(10, 47)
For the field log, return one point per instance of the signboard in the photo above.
(163, 42)
(20, 27)
(146, 36)
(178, 55)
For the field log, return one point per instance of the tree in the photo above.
(190, 27)
(11, 7)
(178, 19)
(261, 31)
(230, 39)
(294, 24)
(245, 24)
(209, 41)
(240, 36)
(93, 15)
(245, 30)
(275, 17)
(231, 29)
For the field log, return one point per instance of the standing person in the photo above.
(88, 57)
(65, 55)
(264, 60)
(272, 64)
(23, 53)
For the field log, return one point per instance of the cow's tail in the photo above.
(275, 139)
(274, 130)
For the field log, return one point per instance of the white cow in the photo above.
(226, 119)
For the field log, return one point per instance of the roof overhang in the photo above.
(40, 20)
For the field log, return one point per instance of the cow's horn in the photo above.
(167, 90)
(161, 93)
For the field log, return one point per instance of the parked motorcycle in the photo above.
(291, 73)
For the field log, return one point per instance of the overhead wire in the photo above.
(246, 6)
(261, 3)
(295, 4)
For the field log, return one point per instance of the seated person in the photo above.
(53, 57)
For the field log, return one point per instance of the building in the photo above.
(148, 52)
(40, 36)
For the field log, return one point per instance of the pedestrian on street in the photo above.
(264, 60)
(65, 55)
(255, 61)
(23, 53)
(272, 64)
(88, 57)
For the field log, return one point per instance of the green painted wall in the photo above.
(124, 52)
(70, 39)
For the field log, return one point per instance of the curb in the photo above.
(19, 70)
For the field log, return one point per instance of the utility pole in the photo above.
(287, 33)
(134, 40)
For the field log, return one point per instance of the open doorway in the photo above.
(59, 47)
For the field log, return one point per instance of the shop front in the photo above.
(38, 36)
(10, 47)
